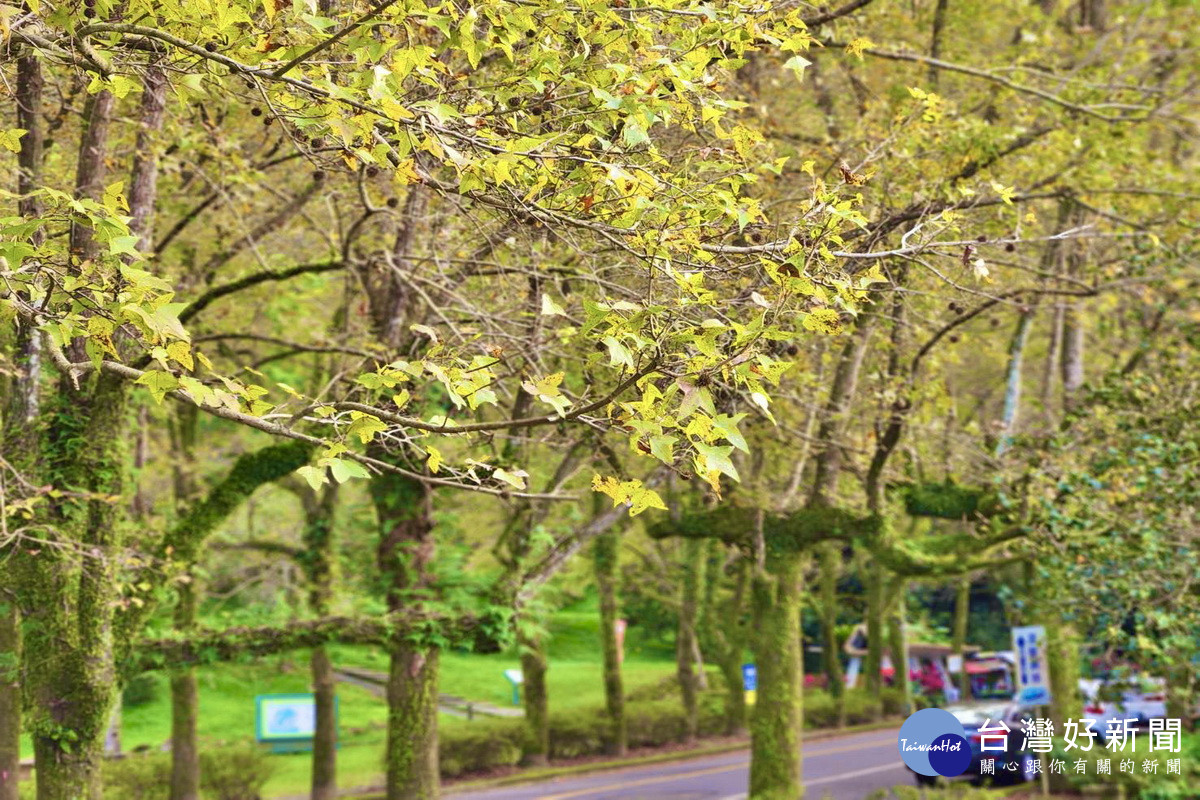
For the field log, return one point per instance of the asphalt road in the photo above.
(842, 768)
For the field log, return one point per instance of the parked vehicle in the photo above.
(982, 725)
(1124, 695)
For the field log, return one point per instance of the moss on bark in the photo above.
(831, 566)
(324, 755)
(70, 590)
(535, 698)
(686, 641)
(406, 549)
(412, 694)
(962, 615)
(605, 555)
(777, 721)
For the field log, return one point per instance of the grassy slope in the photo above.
(227, 695)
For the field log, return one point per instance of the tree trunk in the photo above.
(67, 776)
(605, 554)
(319, 562)
(735, 693)
(873, 661)
(19, 415)
(935, 39)
(406, 549)
(68, 615)
(324, 755)
(10, 697)
(686, 638)
(724, 633)
(185, 710)
(898, 640)
(777, 721)
(1181, 691)
(185, 699)
(412, 695)
(831, 563)
(185, 751)
(535, 698)
(962, 615)
(1012, 390)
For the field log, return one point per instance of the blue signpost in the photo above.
(750, 682)
(1033, 669)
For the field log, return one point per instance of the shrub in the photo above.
(653, 724)
(486, 744)
(820, 709)
(581, 733)
(235, 773)
(667, 687)
(141, 690)
(140, 777)
(862, 707)
(893, 701)
(955, 791)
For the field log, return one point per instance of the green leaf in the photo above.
(516, 478)
(716, 459)
(123, 245)
(11, 139)
(797, 64)
(344, 469)
(315, 476)
(159, 383)
(434, 461)
(550, 307)
(618, 354)
(365, 428)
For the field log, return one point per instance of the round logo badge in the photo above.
(933, 742)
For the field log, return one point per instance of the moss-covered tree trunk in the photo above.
(319, 563)
(412, 695)
(185, 710)
(70, 671)
(185, 696)
(873, 661)
(831, 567)
(724, 633)
(535, 697)
(406, 549)
(605, 554)
(686, 641)
(19, 414)
(10, 697)
(898, 643)
(776, 723)
(962, 615)
(1181, 690)
(324, 755)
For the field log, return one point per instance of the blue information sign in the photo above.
(749, 677)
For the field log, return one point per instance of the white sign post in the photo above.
(1033, 668)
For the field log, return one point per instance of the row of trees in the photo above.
(473, 250)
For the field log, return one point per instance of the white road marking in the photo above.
(856, 774)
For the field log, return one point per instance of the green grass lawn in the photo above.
(227, 695)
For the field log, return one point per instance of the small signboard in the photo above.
(1033, 668)
(750, 682)
(286, 721)
(516, 678)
